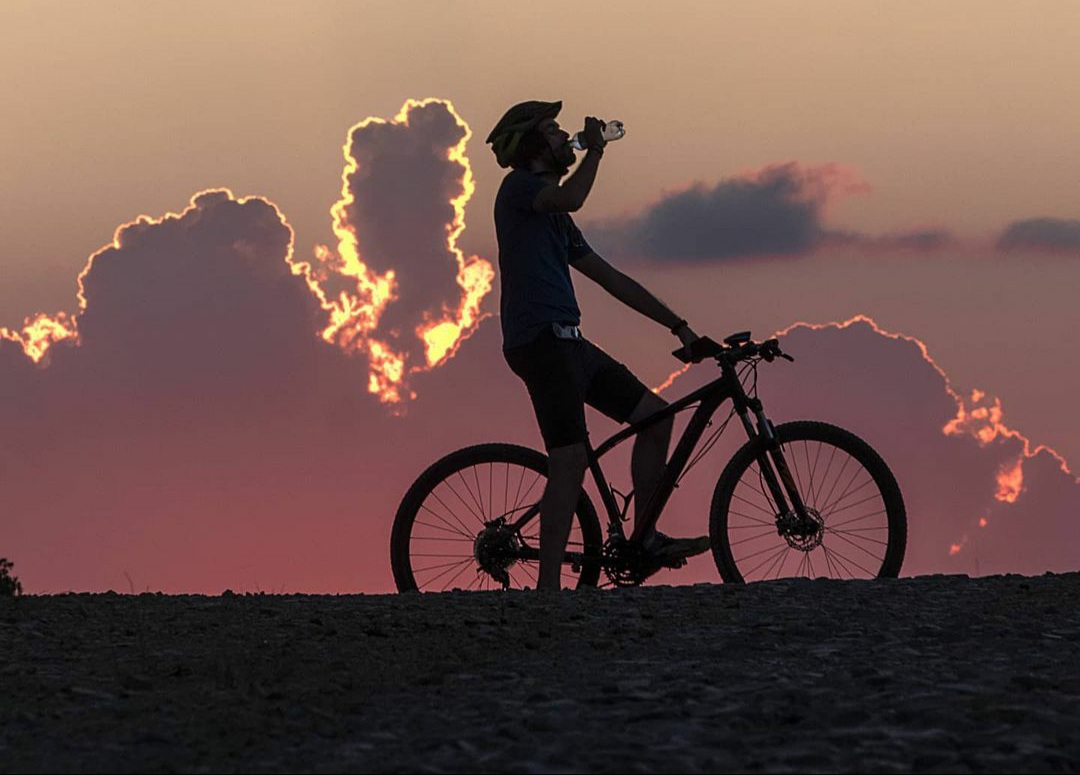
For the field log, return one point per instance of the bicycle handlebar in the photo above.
(739, 348)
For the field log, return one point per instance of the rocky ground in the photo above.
(930, 674)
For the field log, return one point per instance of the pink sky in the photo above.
(202, 435)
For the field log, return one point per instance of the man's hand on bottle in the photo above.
(594, 133)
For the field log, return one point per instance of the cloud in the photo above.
(206, 417)
(773, 211)
(956, 461)
(396, 286)
(779, 210)
(1046, 234)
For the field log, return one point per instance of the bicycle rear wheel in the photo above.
(471, 521)
(857, 523)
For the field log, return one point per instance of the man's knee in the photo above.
(650, 404)
(567, 463)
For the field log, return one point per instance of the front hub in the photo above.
(804, 534)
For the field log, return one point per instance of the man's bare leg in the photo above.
(566, 470)
(650, 455)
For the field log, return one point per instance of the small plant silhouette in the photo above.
(9, 585)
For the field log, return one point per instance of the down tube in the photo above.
(694, 430)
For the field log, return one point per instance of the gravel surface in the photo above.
(928, 674)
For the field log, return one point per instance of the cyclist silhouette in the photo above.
(542, 342)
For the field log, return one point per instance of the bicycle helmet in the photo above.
(524, 117)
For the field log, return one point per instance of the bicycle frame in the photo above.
(710, 396)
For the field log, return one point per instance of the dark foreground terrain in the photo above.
(942, 674)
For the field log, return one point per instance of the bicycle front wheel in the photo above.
(855, 526)
(472, 521)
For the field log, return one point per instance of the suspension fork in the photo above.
(771, 462)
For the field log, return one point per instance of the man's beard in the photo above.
(562, 160)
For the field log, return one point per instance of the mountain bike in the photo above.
(798, 499)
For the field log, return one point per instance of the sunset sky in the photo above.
(914, 163)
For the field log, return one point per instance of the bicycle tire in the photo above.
(729, 529)
(423, 494)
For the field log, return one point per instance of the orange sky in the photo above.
(958, 116)
(955, 112)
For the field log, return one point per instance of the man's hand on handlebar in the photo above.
(687, 337)
(697, 348)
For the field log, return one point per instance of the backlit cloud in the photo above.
(969, 481)
(396, 286)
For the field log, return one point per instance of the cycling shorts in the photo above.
(562, 375)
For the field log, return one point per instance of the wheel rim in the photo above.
(848, 533)
(468, 528)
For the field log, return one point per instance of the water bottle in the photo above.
(613, 130)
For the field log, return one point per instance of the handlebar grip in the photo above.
(700, 349)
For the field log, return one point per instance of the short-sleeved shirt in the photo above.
(535, 253)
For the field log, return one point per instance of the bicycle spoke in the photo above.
(448, 529)
(856, 504)
(464, 527)
(758, 522)
(828, 562)
(443, 565)
(517, 494)
(825, 476)
(817, 459)
(861, 538)
(781, 550)
(761, 551)
(534, 481)
(837, 560)
(472, 496)
(771, 515)
(860, 548)
(440, 538)
(844, 494)
(806, 455)
(463, 503)
(448, 570)
(849, 561)
(479, 490)
(529, 572)
(795, 465)
(839, 476)
(770, 532)
(859, 519)
(780, 570)
(763, 490)
(779, 560)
